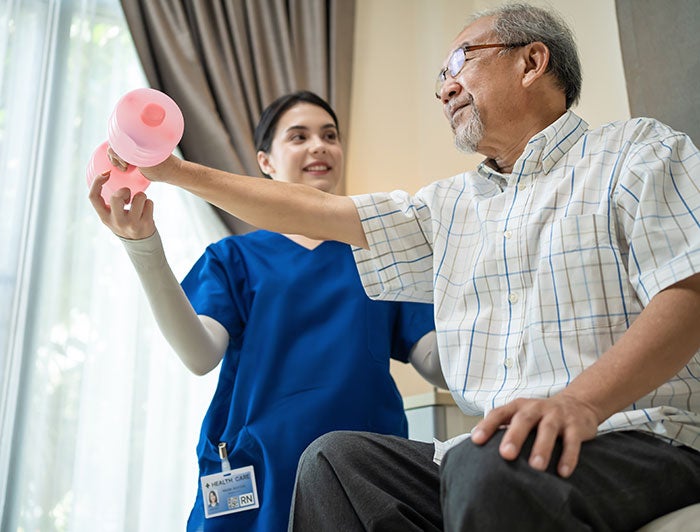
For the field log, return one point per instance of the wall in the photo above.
(661, 60)
(398, 137)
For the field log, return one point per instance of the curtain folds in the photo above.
(223, 61)
(99, 419)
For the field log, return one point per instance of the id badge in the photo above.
(229, 492)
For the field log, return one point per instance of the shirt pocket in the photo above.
(581, 283)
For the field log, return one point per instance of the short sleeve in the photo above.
(216, 288)
(399, 262)
(414, 321)
(657, 199)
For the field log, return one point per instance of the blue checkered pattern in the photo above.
(536, 273)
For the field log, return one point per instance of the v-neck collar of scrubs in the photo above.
(302, 246)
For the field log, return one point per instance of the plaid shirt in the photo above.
(535, 274)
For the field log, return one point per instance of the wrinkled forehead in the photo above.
(478, 32)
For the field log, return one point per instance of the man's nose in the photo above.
(450, 88)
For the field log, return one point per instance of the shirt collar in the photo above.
(542, 151)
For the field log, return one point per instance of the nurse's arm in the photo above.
(288, 208)
(425, 359)
(199, 341)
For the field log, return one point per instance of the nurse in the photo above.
(303, 350)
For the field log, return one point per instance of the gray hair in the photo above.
(523, 23)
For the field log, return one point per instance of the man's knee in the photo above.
(469, 468)
(325, 450)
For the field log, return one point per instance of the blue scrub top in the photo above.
(309, 353)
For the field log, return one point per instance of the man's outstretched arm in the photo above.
(273, 205)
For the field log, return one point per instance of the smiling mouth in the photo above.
(317, 168)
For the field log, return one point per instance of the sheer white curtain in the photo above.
(98, 418)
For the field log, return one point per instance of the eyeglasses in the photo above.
(457, 60)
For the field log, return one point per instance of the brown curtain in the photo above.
(223, 61)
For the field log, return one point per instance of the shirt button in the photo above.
(509, 362)
(508, 234)
(522, 186)
(513, 297)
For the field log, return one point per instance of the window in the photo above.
(98, 418)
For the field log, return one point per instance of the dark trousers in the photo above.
(361, 481)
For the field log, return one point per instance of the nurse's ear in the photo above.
(265, 164)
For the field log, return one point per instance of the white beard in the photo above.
(468, 136)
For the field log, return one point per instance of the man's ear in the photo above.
(536, 62)
(265, 164)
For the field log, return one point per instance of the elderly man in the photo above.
(565, 277)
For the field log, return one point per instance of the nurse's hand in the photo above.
(134, 223)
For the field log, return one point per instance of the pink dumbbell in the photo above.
(144, 129)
